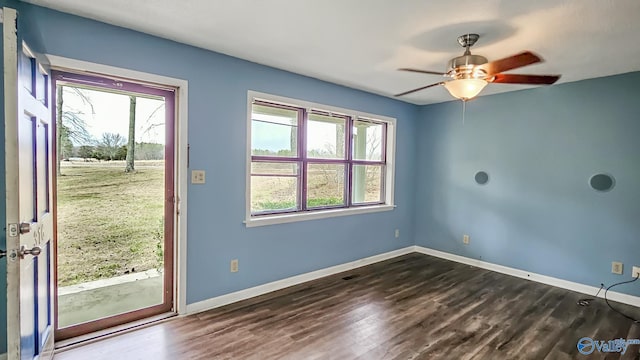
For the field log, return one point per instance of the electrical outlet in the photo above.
(234, 265)
(636, 272)
(465, 239)
(197, 176)
(616, 267)
(397, 233)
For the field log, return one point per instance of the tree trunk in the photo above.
(59, 102)
(340, 141)
(132, 135)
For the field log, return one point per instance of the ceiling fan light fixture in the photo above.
(471, 73)
(465, 89)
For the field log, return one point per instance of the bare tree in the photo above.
(148, 124)
(149, 150)
(71, 125)
(64, 144)
(131, 147)
(110, 144)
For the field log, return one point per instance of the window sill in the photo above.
(320, 214)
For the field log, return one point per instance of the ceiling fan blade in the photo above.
(418, 89)
(423, 71)
(525, 79)
(511, 62)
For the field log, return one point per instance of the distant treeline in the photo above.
(144, 151)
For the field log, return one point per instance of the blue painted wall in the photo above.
(540, 147)
(218, 87)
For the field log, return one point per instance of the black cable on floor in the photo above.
(618, 311)
(587, 301)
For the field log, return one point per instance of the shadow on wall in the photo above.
(510, 227)
(538, 212)
(522, 229)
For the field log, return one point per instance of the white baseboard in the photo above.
(294, 280)
(302, 278)
(564, 284)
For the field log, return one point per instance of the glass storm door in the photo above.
(114, 202)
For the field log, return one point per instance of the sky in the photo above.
(273, 132)
(276, 137)
(111, 114)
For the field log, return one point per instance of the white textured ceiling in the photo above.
(361, 43)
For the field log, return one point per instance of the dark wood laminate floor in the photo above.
(411, 307)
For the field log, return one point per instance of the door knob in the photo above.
(35, 251)
(2, 254)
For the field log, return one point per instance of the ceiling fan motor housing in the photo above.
(465, 67)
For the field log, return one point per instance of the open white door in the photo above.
(28, 199)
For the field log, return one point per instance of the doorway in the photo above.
(114, 202)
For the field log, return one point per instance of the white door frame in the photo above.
(10, 48)
(3, 356)
(181, 153)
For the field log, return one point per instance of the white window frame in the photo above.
(262, 220)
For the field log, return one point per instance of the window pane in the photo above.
(274, 131)
(274, 186)
(367, 141)
(325, 137)
(274, 168)
(325, 185)
(273, 194)
(367, 184)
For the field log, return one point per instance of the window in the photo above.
(310, 161)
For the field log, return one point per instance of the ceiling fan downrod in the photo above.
(467, 41)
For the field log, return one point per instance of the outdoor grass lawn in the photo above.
(109, 222)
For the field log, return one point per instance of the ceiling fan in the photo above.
(471, 73)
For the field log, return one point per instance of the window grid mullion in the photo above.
(302, 154)
(383, 188)
(349, 170)
(276, 105)
(275, 175)
(383, 170)
(263, 158)
(383, 146)
(367, 162)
